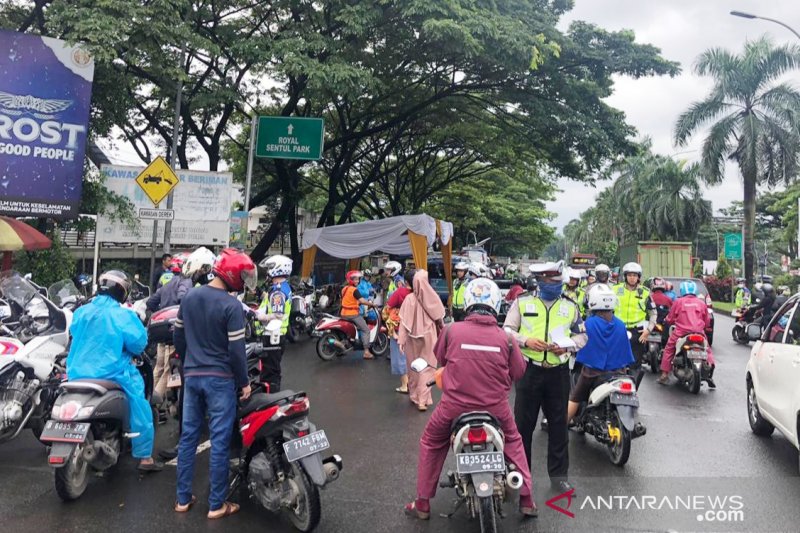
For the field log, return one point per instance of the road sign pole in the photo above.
(249, 180)
(153, 250)
(173, 156)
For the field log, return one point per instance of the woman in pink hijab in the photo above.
(421, 318)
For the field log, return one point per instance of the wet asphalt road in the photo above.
(696, 448)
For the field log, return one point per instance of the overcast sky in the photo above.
(682, 29)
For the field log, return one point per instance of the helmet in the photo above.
(367, 272)
(236, 270)
(114, 283)
(552, 270)
(768, 289)
(393, 268)
(574, 273)
(353, 277)
(602, 298)
(482, 295)
(632, 268)
(199, 264)
(740, 280)
(277, 266)
(602, 267)
(658, 284)
(688, 287)
(176, 263)
(461, 265)
(479, 270)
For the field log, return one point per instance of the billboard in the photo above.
(45, 96)
(202, 204)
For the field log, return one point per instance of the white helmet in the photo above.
(602, 298)
(632, 268)
(199, 262)
(602, 268)
(393, 268)
(461, 265)
(482, 293)
(552, 270)
(574, 273)
(277, 266)
(477, 269)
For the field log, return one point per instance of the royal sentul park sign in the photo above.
(290, 138)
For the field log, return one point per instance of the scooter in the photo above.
(690, 364)
(654, 348)
(610, 415)
(747, 318)
(338, 336)
(88, 429)
(482, 480)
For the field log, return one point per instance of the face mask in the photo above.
(550, 290)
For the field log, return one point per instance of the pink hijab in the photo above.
(422, 308)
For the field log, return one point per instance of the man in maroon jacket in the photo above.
(480, 365)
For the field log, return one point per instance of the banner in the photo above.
(239, 229)
(202, 204)
(45, 97)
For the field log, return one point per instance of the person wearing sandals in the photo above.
(209, 334)
(392, 320)
(421, 318)
(479, 363)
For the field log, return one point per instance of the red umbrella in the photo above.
(16, 235)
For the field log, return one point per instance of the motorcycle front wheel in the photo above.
(305, 513)
(326, 350)
(72, 478)
(380, 348)
(486, 515)
(738, 335)
(620, 449)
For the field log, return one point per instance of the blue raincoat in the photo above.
(105, 338)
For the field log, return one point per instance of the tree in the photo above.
(724, 269)
(754, 122)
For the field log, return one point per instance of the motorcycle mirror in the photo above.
(419, 364)
(28, 276)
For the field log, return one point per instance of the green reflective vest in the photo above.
(267, 308)
(742, 298)
(538, 322)
(459, 293)
(632, 305)
(576, 295)
(165, 277)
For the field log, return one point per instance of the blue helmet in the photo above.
(688, 287)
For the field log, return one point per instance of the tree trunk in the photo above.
(749, 227)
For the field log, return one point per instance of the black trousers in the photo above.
(639, 350)
(271, 365)
(546, 389)
(459, 314)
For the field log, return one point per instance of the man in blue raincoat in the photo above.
(105, 338)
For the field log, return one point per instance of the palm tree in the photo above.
(754, 121)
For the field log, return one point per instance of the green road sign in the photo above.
(290, 138)
(733, 246)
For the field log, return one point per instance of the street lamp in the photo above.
(751, 16)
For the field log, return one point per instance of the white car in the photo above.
(773, 375)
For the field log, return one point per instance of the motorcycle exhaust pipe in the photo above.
(100, 455)
(514, 480)
(340, 346)
(332, 467)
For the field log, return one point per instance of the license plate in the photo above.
(624, 399)
(304, 446)
(476, 463)
(698, 354)
(65, 431)
(174, 381)
(654, 338)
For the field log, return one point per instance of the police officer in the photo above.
(602, 273)
(537, 323)
(743, 295)
(636, 309)
(460, 290)
(572, 288)
(277, 304)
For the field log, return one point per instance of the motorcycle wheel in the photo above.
(619, 452)
(325, 350)
(737, 334)
(653, 356)
(307, 510)
(486, 515)
(380, 348)
(72, 478)
(694, 384)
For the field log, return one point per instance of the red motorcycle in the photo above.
(281, 460)
(338, 336)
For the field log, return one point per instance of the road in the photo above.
(697, 448)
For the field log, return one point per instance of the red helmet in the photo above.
(176, 263)
(236, 269)
(659, 284)
(353, 277)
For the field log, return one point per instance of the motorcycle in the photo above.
(690, 363)
(281, 463)
(160, 328)
(338, 336)
(66, 295)
(747, 318)
(654, 348)
(482, 480)
(88, 428)
(33, 361)
(301, 318)
(610, 415)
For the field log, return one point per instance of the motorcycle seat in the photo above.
(474, 417)
(101, 386)
(261, 400)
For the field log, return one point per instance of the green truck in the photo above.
(663, 259)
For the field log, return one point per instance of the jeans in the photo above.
(217, 397)
(398, 359)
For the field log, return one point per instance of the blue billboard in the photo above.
(45, 97)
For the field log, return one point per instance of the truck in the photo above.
(662, 259)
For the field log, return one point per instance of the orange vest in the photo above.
(349, 302)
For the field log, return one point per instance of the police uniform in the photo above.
(279, 302)
(637, 311)
(459, 292)
(546, 383)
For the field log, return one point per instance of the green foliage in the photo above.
(793, 282)
(724, 269)
(697, 268)
(47, 266)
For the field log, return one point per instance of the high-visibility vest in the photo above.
(165, 277)
(632, 305)
(459, 294)
(349, 302)
(277, 302)
(576, 295)
(538, 322)
(742, 297)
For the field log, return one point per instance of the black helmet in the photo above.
(115, 283)
(531, 284)
(768, 289)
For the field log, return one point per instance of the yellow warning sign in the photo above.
(157, 180)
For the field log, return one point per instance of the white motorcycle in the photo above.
(33, 363)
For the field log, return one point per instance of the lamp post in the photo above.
(751, 16)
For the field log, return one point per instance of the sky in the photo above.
(682, 29)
